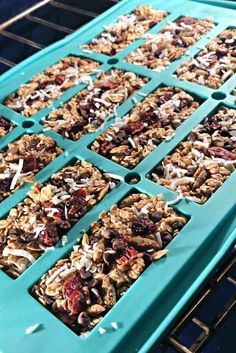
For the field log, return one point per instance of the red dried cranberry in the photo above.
(30, 164)
(5, 184)
(43, 85)
(71, 292)
(160, 171)
(80, 193)
(151, 118)
(59, 79)
(187, 20)
(220, 153)
(105, 148)
(156, 216)
(49, 235)
(143, 226)
(165, 98)
(127, 256)
(76, 127)
(134, 127)
(221, 52)
(4, 123)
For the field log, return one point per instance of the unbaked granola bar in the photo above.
(83, 287)
(160, 49)
(24, 158)
(49, 85)
(200, 165)
(48, 213)
(127, 29)
(213, 65)
(5, 126)
(131, 138)
(91, 107)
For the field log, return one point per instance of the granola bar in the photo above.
(5, 126)
(47, 214)
(213, 65)
(160, 49)
(127, 29)
(155, 119)
(23, 159)
(91, 107)
(83, 287)
(49, 85)
(200, 165)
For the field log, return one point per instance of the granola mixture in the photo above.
(49, 85)
(23, 159)
(83, 287)
(127, 29)
(200, 165)
(47, 214)
(5, 126)
(91, 107)
(169, 44)
(213, 65)
(155, 119)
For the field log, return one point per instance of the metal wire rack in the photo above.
(43, 23)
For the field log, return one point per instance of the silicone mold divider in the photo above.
(149, 307)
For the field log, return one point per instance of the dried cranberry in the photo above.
(187, 20)
(71, 292)
(59, 79)
(127, 256)
(165, 98)
(150, 118)
(143, 226)
(49, 235)
(76, 127)
(4, 123)
(77, 203)
(220, 153)
(221, 52)
(134, 127)
(43, 85)
(5, 184)
(192, 136)
(80, 193)
(105, 148)
(31, 101)
(119, 244)
(30, 164)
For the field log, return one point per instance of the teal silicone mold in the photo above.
(151, 305)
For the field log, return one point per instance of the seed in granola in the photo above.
(83, 318)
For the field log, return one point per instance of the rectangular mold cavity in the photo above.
(45, 87)
(170, 43)
(198, 166)
(23, 158)
(91, 107)
(199, 251)
(48, 212)
(146, 126)
(108, 259)
(214, 65)
(114, 38)
(6, 126)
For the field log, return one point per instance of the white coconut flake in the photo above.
(17, 175)
(173, 202)
(102, 330)
(114, 325)
(19, 252)
(132, 142)
(64, 240)
(55, 274)
(115, 176)
(31, 329)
